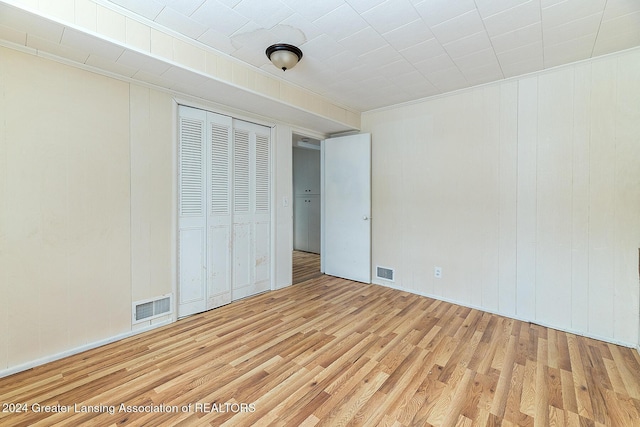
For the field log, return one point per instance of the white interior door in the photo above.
(346, 249)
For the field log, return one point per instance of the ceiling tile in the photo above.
(341, 22)
(518, 68)
(409, 35)
(254, 36)
(426, 49)
(512, 19)
(616, 8)
(228, 3)
(620, 24)
(622, 32)
(180, 23)
(313, 10)
(468, 45)
(322, 47)
(296, 29)
(436, 63)
(491, 7)
(477, 59)
(266, 13)
(520, 37)
(448, 79)
(214, 14)
(435, 12)
(341, 60)
(573, 30)
(570, 10)
(250, 55)
(217, 41)
(569, 51)
(373, 58)
(458, 27)
(363, 41)
(390, 15)
(616, 42)
(521, 54)
(484, 74)
(396, 68)
(184, 7)
(362, 6)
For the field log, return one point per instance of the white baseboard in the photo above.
(515, 317)
(32, 364)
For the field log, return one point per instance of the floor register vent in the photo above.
(152, 308)
(384, 273)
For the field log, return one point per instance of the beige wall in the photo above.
(87, 211)
(153, 194)
(86, 184)
(525, 192)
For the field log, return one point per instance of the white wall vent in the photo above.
(151, 308)
(384, 273)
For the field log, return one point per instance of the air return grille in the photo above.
(150, 309)
(384, 273)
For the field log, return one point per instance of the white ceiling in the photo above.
(367, 54)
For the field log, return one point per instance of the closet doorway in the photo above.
(306, 208)
(224, 218)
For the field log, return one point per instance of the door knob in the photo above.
(365, 218)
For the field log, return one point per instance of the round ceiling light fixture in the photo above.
(284, 56)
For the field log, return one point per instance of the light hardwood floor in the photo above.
(305, 266)
(334, 352)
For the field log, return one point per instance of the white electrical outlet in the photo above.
(437, 272)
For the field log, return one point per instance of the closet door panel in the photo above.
(192, 220)
(219, 278)
(262, 248)
(242, 254)
(219, 270)
(191, 246)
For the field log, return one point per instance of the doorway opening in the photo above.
(306, 208)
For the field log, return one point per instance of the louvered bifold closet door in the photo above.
(219, 225)
(192, 219)
(251, 209)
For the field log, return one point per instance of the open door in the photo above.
(346, 206)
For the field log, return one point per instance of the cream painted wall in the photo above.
(526, 193)
(87, 218)
(65, 229)
(153, 192)
(87, 211)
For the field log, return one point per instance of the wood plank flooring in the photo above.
(332, 352)
(305, 266)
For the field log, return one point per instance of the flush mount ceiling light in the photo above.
(284, 56)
